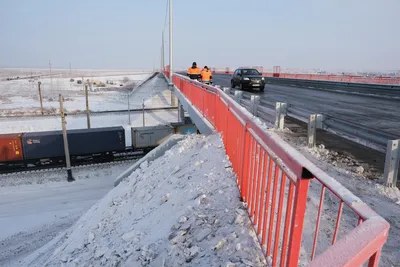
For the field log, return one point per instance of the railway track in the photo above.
(59, 167)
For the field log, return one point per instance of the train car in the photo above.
(11, 150)
(42, 148)
(11, 147)
(97, 142)
(149, 137)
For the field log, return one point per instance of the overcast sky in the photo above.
(328, 34)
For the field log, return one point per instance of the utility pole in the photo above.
(162, 52)
(66, 148)
(129, 108)
(40, 98)
(170, 41)
(143, 112)
(87, 106)
(51, 77)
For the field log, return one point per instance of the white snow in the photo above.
(182, 209)
(155, 94)
(20, 97)
(35, 207)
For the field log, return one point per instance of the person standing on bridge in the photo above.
(194, 72)
(206, 75)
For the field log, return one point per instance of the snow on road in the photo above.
(182, 209)
(36, 207)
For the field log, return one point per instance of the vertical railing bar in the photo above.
(296, 231)
(267, 202)
(279, 218)
(272, 215)
(338, 221)
(263, 191)
(260, 178)
(244, 162)
(255, 181)
(374, 259)
(321, 203)
(287, 223)
(253, 169)
(250, 170)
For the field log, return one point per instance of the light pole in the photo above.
(170, 41)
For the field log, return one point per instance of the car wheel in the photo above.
(262, 89)
(232, 84)
(241, 87)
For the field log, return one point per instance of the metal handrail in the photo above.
(369, 235)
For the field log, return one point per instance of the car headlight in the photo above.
(245, 78)
(262, 78)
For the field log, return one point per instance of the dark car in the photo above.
(247, 78)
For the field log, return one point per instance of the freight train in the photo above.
(38, 150)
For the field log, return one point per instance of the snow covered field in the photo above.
(21, 97)
(36, 207)
(182, 209)
(154, 94)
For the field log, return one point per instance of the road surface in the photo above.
(375, 113)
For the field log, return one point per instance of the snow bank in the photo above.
(182, 209)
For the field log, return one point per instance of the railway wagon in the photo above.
(95, 142)
(151, 136)
(11, 147)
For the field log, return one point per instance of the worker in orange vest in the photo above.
(206, 75)
(194, 72)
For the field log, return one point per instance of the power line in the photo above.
(166, 13)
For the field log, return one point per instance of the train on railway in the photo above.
(38, 150)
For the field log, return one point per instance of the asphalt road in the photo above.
(375, 113)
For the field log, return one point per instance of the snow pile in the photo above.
(182, 209)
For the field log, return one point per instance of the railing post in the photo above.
(280, 113)
(227, 90)
(314, 123)
(238, 96)
(254, 102)
(296, 231)
(392, 163)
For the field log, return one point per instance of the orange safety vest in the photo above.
(205, 75)
(192, 70)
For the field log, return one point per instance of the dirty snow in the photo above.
(182, 209)
(35, 207)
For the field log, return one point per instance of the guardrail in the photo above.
(321, 77)
(273, 180)
(375, 90)
(378, 140)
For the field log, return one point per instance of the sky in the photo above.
(126, 34)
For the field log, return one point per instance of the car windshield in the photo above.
(250, 72)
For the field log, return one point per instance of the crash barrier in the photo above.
(273, 180)
(323, 77)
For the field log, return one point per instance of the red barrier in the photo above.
(273, 181)
(323, 77)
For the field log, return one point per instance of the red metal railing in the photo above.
(274, 180)
(323, 77)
